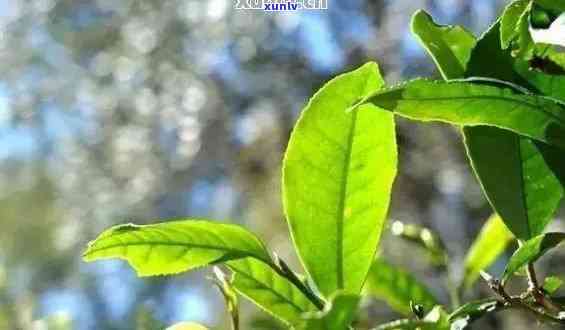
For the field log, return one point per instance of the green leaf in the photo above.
(531, 251)
(177, 246)
(510, 21)
(551, 284)
(489, 59)
(273, 293)
(536, 176)
(525, 173)
(526, 47)
(337, 177)
(516, 178)
(550, 85)
(337, 315)
(397, 287)
(531, 177)
(487, 247)
(520, 177)
(465, 103)
(463, 316)
(449, 46)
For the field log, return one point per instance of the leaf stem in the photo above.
(282, 268)
(229, 296)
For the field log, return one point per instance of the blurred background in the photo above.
(117, 111)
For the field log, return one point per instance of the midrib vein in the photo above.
(342, 197)
(172, 244)
(523, 185)
(485, 97)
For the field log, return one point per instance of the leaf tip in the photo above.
(126, 227)
(371, 65)
(418, 16)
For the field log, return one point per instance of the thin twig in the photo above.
(520, 301)
(538, 293)
(532, 278)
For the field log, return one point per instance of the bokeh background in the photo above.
(135, 111)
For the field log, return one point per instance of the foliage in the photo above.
(337, 177)
(490, 243)
(532, 250)
(397, 287)
(338, 173)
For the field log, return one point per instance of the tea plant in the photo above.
(505, 90)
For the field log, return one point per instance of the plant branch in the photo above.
(537, 291)
(532, 278)
(521, 301)
(539, 313)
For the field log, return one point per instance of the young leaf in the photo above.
(270, 291)
(551, 284)
(337, 177)
(177, 246)
(397, 287)
(337, 315)
(509, 22)
(487, 247)
(518, 175)
(531, 251)
(449, 46)
(230, 296)
(524, 46)
(464, 103)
